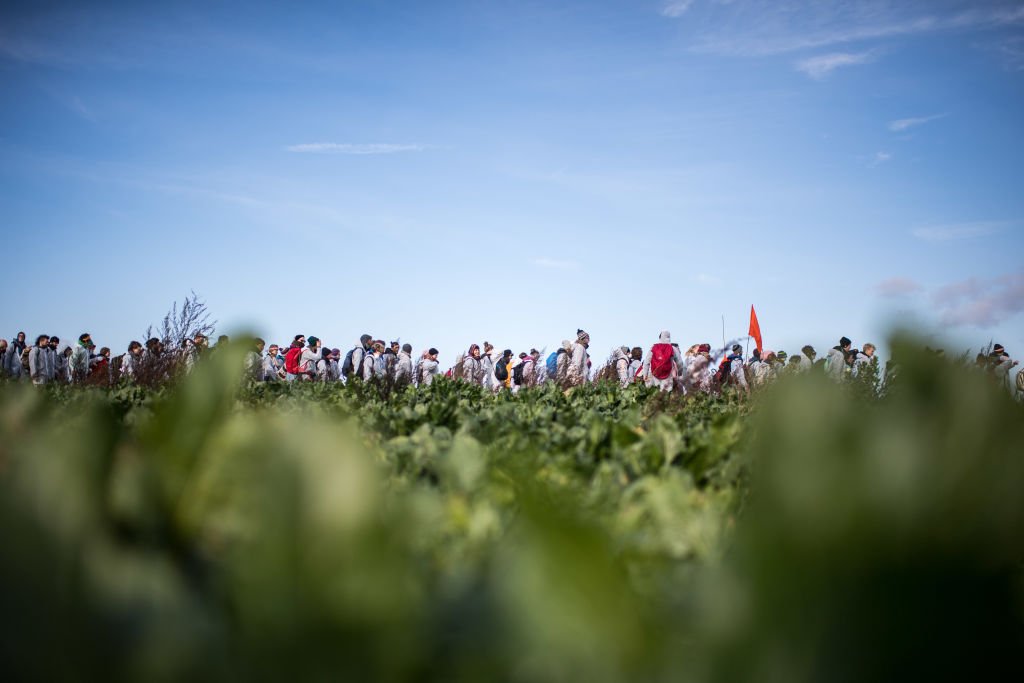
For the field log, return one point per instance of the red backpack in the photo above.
(661, 360)
(291, 360)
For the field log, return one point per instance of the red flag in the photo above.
(755, 328)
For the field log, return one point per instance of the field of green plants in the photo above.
(215, 531)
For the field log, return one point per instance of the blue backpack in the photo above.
(552, 364)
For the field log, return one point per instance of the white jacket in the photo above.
(403, 368)
(38, 365)
(578, 372)
(428, 369)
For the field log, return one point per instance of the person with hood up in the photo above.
(660, 367)
(619, 360)
(12, 357)
(403, 368)
(579, 369)
(501, 376)
(835, 362)
(79, 365)
(472, 368)
(428, 367)
(38, 363)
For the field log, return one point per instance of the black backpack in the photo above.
(346, 365)
(517, 374)
(501, 369)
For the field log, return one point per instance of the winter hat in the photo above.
(312, 341)
(335, 352)
(665, 337)
(704, 348)
(581, 335)
(433, 351)
(843, 341)
(998, 348)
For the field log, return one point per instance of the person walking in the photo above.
(835, 362)
(472, 368)
(12, 357)
(578, 363)
(131, 360)
(352, 366)
(660, 368)
(403, 368)
(619, 361)
(273, 370)
(79, 366)
(38, 361)
(428, 367)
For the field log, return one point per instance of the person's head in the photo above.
(869, 350)
(222, 339)
(135, 348)
(794, 360)
(665, 337)
(736, 348)
(506, 354)
(433, 353)
(488, 347)
(809, 351)
(845, 343)
(395, 346)
(335, 354)
(85, 339)
(636, 353)
(153, 344)
(3, 345)
(474, 351)
(21, 337)
(782, 356)
(200, 340)
(998, 350)
(54, 341)
(259, 343)
(314, 343)
(522, 355)
(365, 340)
(535, 354)
(755, 354)
(582, 337)
(407, 348)
(272, 351)
(68, 351)
(704, 348)
(378, 347)
(105, 352)
(42, 340)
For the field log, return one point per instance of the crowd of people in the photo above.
(306, 359)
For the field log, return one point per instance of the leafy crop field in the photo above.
(314, 532)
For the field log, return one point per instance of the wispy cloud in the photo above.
(821, 66)
(880, 158)
(900, 125)
(768, 27)
(555, 264)
(957, 231)
(897, 287)
(676, 8)
(350, 148)
(980, 303)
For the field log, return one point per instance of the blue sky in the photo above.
(458, 171)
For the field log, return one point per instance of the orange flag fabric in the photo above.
(755, 329)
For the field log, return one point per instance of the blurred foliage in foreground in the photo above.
(304, 532)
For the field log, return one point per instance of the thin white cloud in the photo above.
(821, 66)
(350, 148)
(555, 264)
(980, 303)
(771, 28)
(880, 158)
(900, 125)
(897, 287)
(676, 8)
(957, 231)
